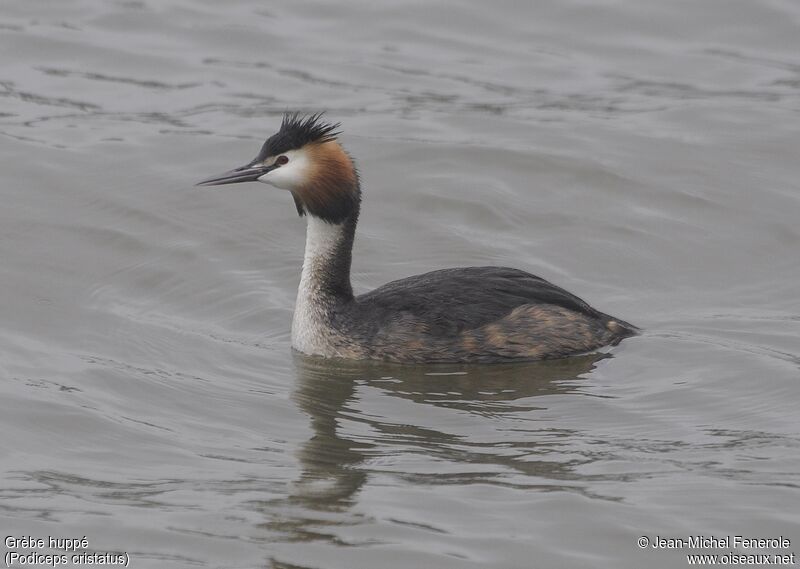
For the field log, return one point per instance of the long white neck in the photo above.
(324, 283)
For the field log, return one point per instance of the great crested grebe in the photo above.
(473, 314)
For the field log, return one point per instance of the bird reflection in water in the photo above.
(352, 432)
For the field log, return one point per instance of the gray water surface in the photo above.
(645, 156)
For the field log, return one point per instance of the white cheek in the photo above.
(291, 175)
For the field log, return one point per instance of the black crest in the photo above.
(296, 131)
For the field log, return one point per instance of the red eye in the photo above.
(281, 160)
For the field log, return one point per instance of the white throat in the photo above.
(310, 329)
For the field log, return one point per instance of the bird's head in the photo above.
(304, 158)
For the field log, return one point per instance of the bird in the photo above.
(451, 315)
